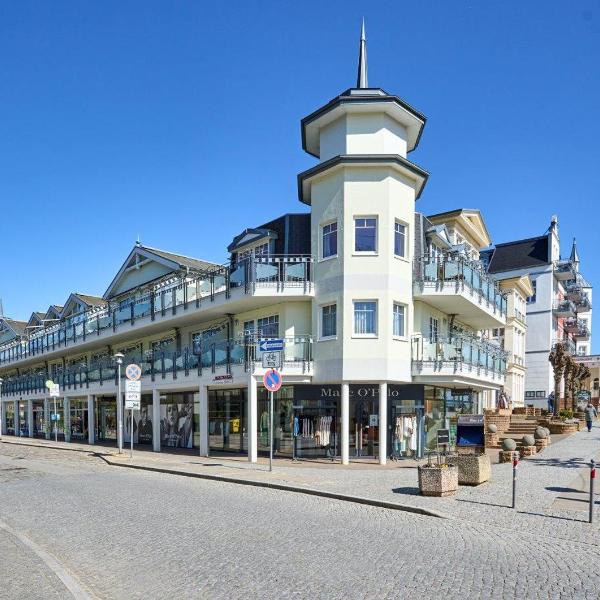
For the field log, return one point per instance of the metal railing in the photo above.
(564, 307)
(459, 349)
(460, 272)
(210, 357)
(567, 343)
(275, 271)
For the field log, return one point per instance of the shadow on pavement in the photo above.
(557, 488)
(407, 491)
(572, 463)
(495, 504)
(525, 512)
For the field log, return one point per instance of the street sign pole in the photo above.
(55, 422)
(131, 451)
(271, 432)
(119, 410)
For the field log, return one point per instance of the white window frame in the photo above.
(356, 252)
(322, 336)
(365, 335)
(404, 256)
(405, 321)
(321, 247)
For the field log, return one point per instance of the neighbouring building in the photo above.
(384, 314)
(559, 307)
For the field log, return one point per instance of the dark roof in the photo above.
(180, 259)
(510, 256)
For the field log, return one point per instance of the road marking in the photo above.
(76, 589)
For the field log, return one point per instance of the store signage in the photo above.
(222, 378)
(270, 345)
(272, 380)
(473, 420)
(443, 436)
(271, 360)
(133, 372)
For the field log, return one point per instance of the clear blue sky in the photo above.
(179, 121)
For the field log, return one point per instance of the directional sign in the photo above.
(272, 380)
(271, 345)
(133, 386)
(133, 372)
(54, 390)
(271, 360)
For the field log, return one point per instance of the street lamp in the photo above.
(119, 360)
(1, 409)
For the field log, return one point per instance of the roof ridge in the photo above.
(151, 248)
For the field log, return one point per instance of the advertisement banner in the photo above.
(176, 420)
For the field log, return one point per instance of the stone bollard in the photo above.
(507, 453)
(528, 446)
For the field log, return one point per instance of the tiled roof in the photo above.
(532, 252)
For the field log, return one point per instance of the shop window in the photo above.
(399, 320)
(268, 327)
(329, 240)
(177, 420)
(400, 240)
(328, 321)
(365, 234)
(365, 317)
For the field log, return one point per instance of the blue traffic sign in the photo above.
(270, 345)
(272, 380)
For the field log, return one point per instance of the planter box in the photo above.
(560, 427)
(473, 469)
(438, 481)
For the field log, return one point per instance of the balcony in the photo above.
(582, 334)
(575, 292)
(225, 289)
(564, 309)
(461, 360)
(456, 285)
(215, 358)
(572, 325)
(568, 345)
(564, 270)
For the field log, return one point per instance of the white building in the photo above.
(381, 310)
(559, 309)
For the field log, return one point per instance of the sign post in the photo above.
(54, 393)
(133, 395)
(272, 381)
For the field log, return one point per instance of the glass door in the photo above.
(227, 420)
(364, 427)
(106, 420)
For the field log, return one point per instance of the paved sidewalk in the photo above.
(551, 485)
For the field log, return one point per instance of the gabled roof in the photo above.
(511, 256)
(249, 236)
(36, 318)
(471, 221)
(53, 312)
(17, 327)
(86, 300)
(168, 261)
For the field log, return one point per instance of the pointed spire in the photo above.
(574, 254)
(362, 78)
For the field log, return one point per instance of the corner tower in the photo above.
(362, 196)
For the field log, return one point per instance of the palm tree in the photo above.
(558, 359)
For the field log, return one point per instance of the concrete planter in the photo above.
(438, 481)
(559, 427)
(473, 469)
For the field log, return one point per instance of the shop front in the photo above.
(39, 420)
(78, 420)
(23, 420)
(179, 420)
(227, 418)
(9, 418)
(106, 419)
(57, 418)
(142, 423)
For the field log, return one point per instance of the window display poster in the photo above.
(177, 421)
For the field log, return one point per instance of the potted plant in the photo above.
(473, 469)
(439, 479)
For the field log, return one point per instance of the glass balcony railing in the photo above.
(564, 270)
(564, 308)
(211, 357)
(459, 271)
(279, 272)
(461, 349)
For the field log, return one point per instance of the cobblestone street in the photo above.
(132, 534)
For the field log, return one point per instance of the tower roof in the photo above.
(574, 254)
(362, 79)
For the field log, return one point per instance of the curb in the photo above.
(286, 488)
(54, 447)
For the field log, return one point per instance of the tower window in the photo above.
(365, 234)
(400, 240)
(329, 240)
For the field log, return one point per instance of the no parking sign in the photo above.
(272, 380)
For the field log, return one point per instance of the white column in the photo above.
(383, 401)
(91, 420)
(252, 420)
(67, 418)
(30, 417)
(203, 420)
(156, 420)
(47, 423)
(345, 442)
(1, 417)
(17, 419)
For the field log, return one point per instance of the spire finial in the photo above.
(362, 78)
